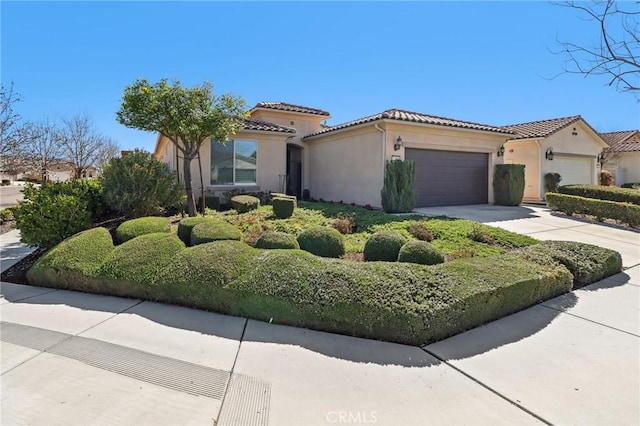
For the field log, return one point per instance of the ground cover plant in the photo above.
(402, 302)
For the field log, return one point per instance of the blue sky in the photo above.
(487, 62)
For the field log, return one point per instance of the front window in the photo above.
(234, 163)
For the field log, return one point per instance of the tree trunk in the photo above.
(188, 187)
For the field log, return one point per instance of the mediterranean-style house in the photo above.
(623, 156)
(285, 147)
(568, 146)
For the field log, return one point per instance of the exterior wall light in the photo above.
(398, 144)
(601, 158)
(549, 154)
(500, 152)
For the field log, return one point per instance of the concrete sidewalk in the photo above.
(77, 359)
(12, 250)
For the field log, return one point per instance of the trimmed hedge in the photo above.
(322, 241)
(406, 303)
(141, 226)
(631, 185)
(186, 225)
(208, 232)
(508, 184)
(277, 240)
(422, 252)
(384, 246)
(601, 209)
(245, 203)
(609, 193)
(283, 207)
(587, 263)
(286, 197)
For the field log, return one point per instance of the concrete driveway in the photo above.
(77, 359)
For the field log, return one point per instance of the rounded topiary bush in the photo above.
(277, 240)
(416, 251)
(384, 245)
(245, 203)
(186, 225)
(144, 225)
(322, 241)
(207, 232)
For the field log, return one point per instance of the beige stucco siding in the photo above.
(347, 167)
(527, 153)
(625, 167)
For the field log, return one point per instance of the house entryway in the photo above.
(294, 171)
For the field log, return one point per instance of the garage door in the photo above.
(449, 178)
(573, 170)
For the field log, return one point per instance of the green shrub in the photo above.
(186, 225)
(210, 231)
(398, 193)
(322, 241)
(384, 245)
(210, 202)
(6, 182)
(141, 226)
(587, 263)
(245, 203)
(6, 215)
(277, 240)
(609, 193)
(283, 207)
(601, 209)
(552, 181)
(421, 232)
(138, 185)
(141, 259)
(44, 219)
(416, 251)
(508, 184)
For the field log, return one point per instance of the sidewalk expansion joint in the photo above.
(589, 320)
(489, 388)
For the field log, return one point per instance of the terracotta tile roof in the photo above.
(264, 126)
(542, 128)
(282, 106)
(625, 141)
(413, 117)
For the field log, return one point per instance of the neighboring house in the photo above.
(568, 146)
(623, 156)
(286, 147)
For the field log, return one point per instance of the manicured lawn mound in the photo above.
(586, 262)
(141, 259)
(384, 245)
(186, 225)
(208, 232)
(198, 275)
(277, 240)
(141, 226)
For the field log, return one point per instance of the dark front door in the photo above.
(294, 171)
(450, 178)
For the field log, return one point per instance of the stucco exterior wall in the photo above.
(625, 167)
(347, 166)
(527, 153)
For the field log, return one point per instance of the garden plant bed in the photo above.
(489, 273)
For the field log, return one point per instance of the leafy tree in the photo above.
(140, 185)
(186, 116)
(616, 54)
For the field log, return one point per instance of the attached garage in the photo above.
(573, 169)
(450, 178)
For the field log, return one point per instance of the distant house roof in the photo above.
(282, 106)
(265, 126)
(412, 117)
(542, 128)
(624, 141)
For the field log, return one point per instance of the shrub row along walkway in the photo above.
(76, 358)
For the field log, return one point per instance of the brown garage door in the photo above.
(449, 178)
